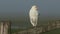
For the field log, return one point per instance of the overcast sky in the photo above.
(16, 8)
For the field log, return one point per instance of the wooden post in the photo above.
(2, 28)
(58, 24)
(5, 27)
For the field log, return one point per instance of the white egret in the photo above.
(33, 14)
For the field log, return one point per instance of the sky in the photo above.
(17, 10)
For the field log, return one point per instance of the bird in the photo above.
(33, 15)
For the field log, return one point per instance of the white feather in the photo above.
(33, 14)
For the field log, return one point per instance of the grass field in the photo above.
(56, 31)
(16, 30)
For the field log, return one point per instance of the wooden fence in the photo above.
(42, 28)
(5, 27)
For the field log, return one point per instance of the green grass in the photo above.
(56, 31)
(16, 30)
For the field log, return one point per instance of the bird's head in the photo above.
(34, 7)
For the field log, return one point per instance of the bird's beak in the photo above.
(36, 8)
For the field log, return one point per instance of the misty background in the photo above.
(17, 11)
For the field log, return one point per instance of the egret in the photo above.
(33, 14)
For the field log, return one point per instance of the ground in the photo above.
(56, 31)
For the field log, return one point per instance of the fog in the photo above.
(17, 10)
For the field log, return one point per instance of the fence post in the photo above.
(1, 28)
(58, 24)
(5, 27)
